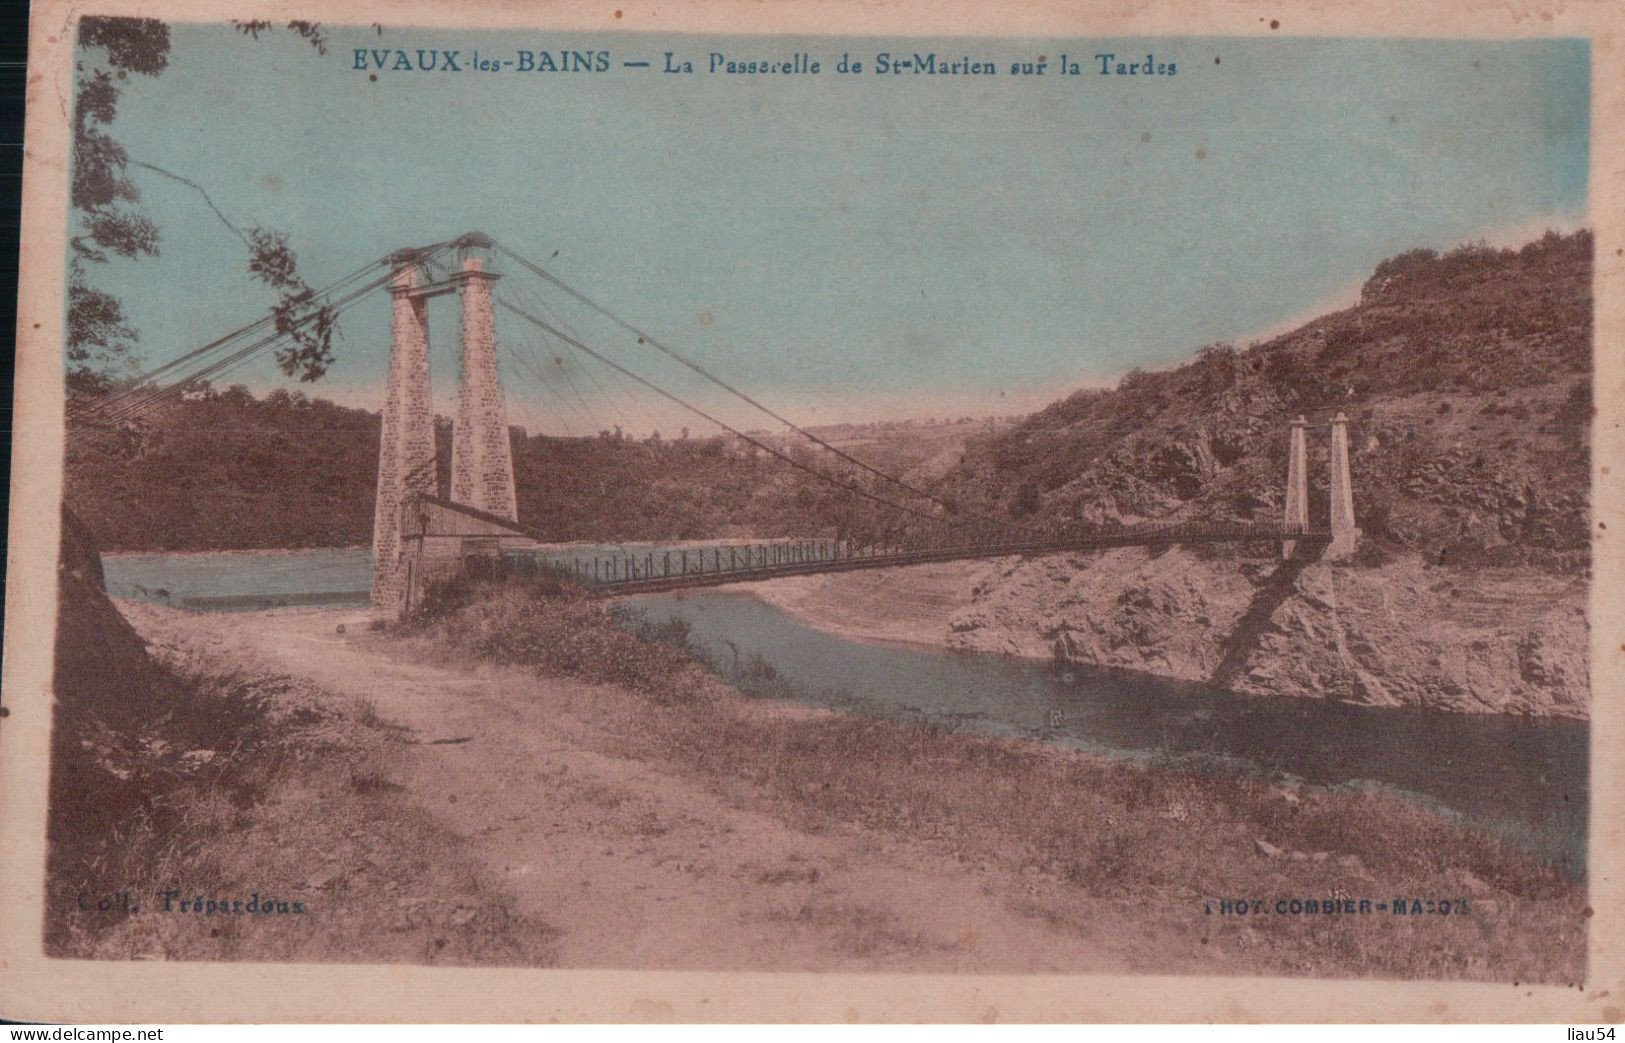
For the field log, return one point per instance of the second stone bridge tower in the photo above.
(481, 457)
(1339, 485)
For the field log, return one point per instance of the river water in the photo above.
(1524, 779)
(241, 581)
(246, 580)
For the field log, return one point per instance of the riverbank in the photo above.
(671, 821)
(216, 808)
(1508, 640)
(904, 606)
(996, 854)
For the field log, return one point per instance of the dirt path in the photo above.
(638, 864)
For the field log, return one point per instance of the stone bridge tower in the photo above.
(1297, 484)
(1345, 537)
(481, 458)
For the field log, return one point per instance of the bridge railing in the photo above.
(696, 566)
(605, 569)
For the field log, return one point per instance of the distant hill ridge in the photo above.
(225, 470)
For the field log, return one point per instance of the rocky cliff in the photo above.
(1404, 633)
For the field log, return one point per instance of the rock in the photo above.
(1400, 634)
(198, 756)
(1350, 862)
(1267, 849)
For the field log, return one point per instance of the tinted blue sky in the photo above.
(850, 246)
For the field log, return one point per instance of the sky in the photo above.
(841, 247)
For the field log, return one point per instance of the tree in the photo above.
(1217, 363)
(107, 221)
(99, 339)
(1392, 274)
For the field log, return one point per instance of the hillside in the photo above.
(223, 469)
(1466, 378)
(921, 452)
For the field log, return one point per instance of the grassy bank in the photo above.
(1151, 844)
(224, 786)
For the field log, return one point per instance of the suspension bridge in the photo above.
(422, 533)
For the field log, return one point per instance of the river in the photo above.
(1523, 779)
(249, 580)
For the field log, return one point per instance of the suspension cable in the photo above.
(131, 407)
(142, 383)
(143, 394)
(652, 341)
(833, 480)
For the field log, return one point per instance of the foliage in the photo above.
(1396, 272)
(224, 469)
(307, 324)
(556, 629)
(1219, 364)
(311, 31)
(100, 340)
(1418, 274)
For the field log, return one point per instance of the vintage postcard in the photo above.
(836, 511)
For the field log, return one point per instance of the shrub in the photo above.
(1391, 275)
(553, 627)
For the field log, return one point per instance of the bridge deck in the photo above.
(619, 574)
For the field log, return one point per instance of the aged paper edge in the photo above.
(91, 991)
